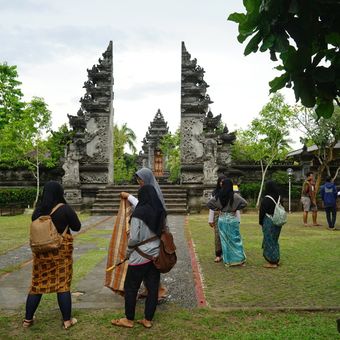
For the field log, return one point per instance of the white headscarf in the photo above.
(148, 178)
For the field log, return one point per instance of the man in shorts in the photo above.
(308, 199)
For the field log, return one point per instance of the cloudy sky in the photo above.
(54, 42)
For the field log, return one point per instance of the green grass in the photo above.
(179, 323)
(309, 275)
(15, 231)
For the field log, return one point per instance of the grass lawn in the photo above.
(309, 275)
(304, 279)
(178, 323)
(15, 231)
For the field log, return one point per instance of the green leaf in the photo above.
(252, 5)
(324, 75)
(253, 44)
(325, 108)
(304, 89)
(278, 82)
(333, 38)
(237, 17)
(268, 42)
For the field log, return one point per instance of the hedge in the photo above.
(20, 196)
(251, 190)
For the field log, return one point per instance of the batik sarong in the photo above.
(52, 270)
(270, 244)
(232, 246)
(116, 268)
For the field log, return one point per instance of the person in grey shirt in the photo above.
(146, 224)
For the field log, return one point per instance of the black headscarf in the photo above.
(226, 194)
(150, 209)
(271, 189)
(218, 186)
(53, 194)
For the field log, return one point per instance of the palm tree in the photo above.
(122, 136)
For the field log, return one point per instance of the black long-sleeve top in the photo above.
(267, 207)
(64, 216)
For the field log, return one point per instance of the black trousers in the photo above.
(135, 275)
(331, 216)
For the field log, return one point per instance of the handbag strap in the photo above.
(278, 201)
(55, 209)
(153, 238)
(141, 253)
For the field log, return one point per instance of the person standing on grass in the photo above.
(271, 232)
(147, 222)
(213, 220)
(328, 193)
(145, 176)
(227, 203)
(308, 199)
(52, 270)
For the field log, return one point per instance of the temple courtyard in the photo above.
(206, 300)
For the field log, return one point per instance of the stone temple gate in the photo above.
(89, 158)
(205, 143)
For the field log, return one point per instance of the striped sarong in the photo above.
(114, 279)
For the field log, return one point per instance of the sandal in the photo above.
(123, 322)
(69, 323)
(145, 323)
(27, 323)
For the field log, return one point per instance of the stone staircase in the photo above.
(108, 199)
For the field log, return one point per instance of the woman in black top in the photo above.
(271, 232)
(52, 270)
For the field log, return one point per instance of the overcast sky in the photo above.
(54, 42)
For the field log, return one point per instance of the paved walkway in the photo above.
(180, 281)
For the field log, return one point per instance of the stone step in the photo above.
(108, 199)
(112, 211)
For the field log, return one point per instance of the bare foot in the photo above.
(123, 322)
(218, 259)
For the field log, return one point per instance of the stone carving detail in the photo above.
(93, 178)
(202, 141)
(150, 154)
(93, 128)
(71, 167)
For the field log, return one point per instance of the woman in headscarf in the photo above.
(227, 203)
(147, 222)
(145, 176)
(52, 270)
(271, 232)
(213, 220)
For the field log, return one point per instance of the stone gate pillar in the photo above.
(93, 133)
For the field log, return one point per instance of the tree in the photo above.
(22, 141)
(57, 142)
(324, 133)
(266, 138)
(170, 147)
(123, 167)
(306, 36)
(11, 103)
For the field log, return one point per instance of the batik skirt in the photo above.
(270, 244)
(52, 270)
(231, 241)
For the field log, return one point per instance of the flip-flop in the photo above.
(123, 322)
(27, 323)
(73, 322)
(145, 323)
